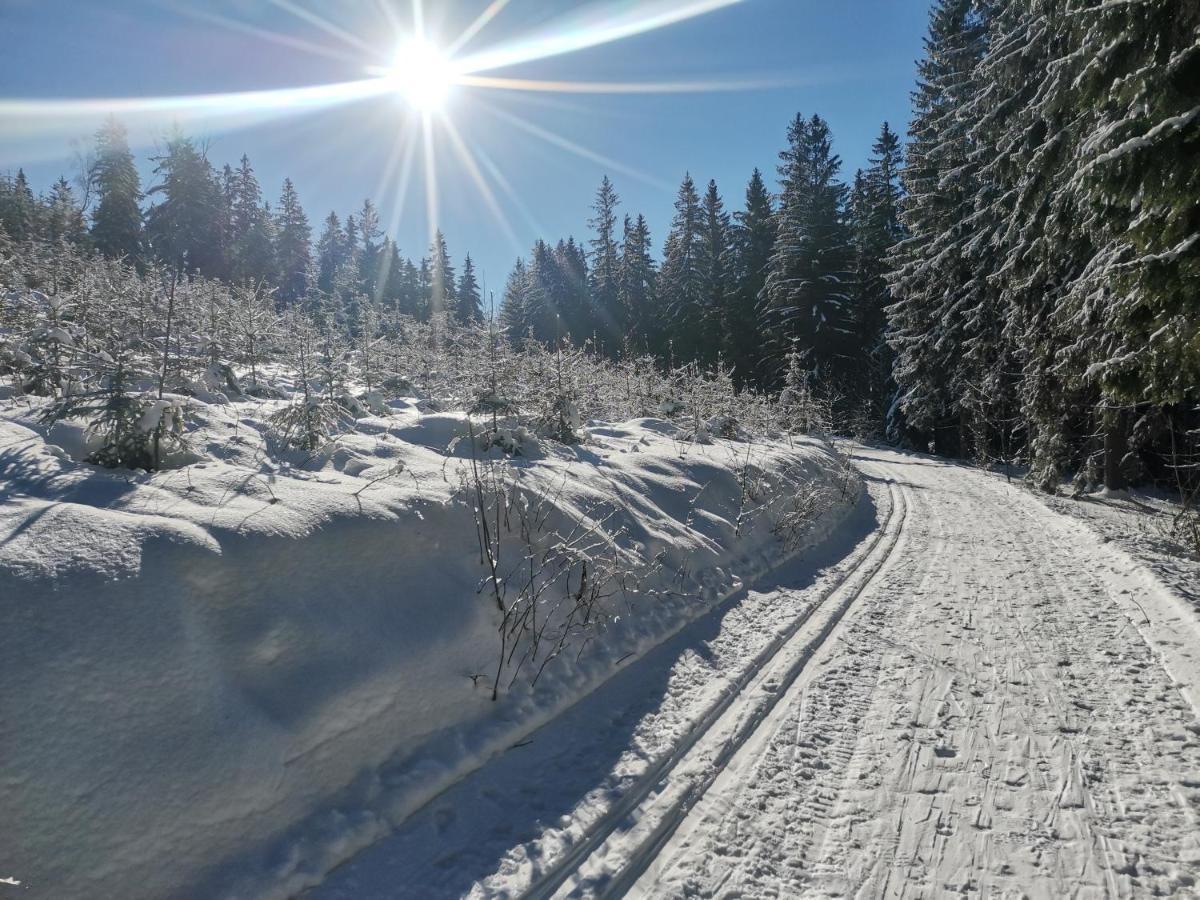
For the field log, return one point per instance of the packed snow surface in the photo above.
(225, 678)
(962, 692)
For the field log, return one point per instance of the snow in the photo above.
(988, 721)
(224, 679)
(961, 691)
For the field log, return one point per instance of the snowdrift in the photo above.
(223, 679)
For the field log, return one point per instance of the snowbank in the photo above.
(223, 679)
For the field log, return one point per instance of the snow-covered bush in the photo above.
(65, 312)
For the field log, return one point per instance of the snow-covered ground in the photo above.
(225, 678)
(968, 693)
(228, 678)
(1140, 523)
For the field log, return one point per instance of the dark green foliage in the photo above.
(184, 225)
(605, 275)
(468, 306)
(681, 279)
(753, 244)
(117, 214)
(293, 246)
(806, 302)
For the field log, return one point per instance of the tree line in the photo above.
(1045, 301)
(789, 280)
(198, 221)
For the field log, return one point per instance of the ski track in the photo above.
(963, 703)
(988, 722)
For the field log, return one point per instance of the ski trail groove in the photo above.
(665, 794)
(988, 721)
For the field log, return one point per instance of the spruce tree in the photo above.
(113, 177)
(1132, 315)
(63, 219)
(251, 245)
(573, 296)
(876, 229)
(514, 315)
(370, 256)
(293, 250)
(605, 271)
(18, 208)
(681, 280)
(928, 269)
(468, 306)
(640, 319)
(806, 299)
(543, 292)
(715, 273)
(331, 252)
(753, 244)
(184, 227)
(442, 293)
(424, 289)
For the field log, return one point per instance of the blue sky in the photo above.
(852, 62)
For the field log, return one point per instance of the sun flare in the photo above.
(422, 74)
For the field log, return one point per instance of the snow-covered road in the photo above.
(963, 693)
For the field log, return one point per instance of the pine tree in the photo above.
(514, 317)
(63, 219)
(806, 300)
(441, 271)
(1132, 315)
(183, 227)
(876, 229)
(117, 216)
(928, 275)
(605, 270)
(468, 307)
(293, 246)
(573, 296)
(681, 281)
(18, 208)
(640, 318)
(331, 252)
(715, 265)
(753, 244)
(251, 245)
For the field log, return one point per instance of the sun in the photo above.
(422, 74)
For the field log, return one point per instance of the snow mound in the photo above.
(225, 678)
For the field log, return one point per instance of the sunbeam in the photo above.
(590, 28)
(274, 37)
(30, 116)
(619, 87)
(580, 151)
(431, 186)
(324, 25)
(485, 190)
(493, 10)
(509, 191)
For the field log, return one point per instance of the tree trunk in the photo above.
(1116, 445)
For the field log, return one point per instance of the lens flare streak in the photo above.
(319, 96)
(485, 190)
(583, 152)
(618, 87)
(591, 28)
